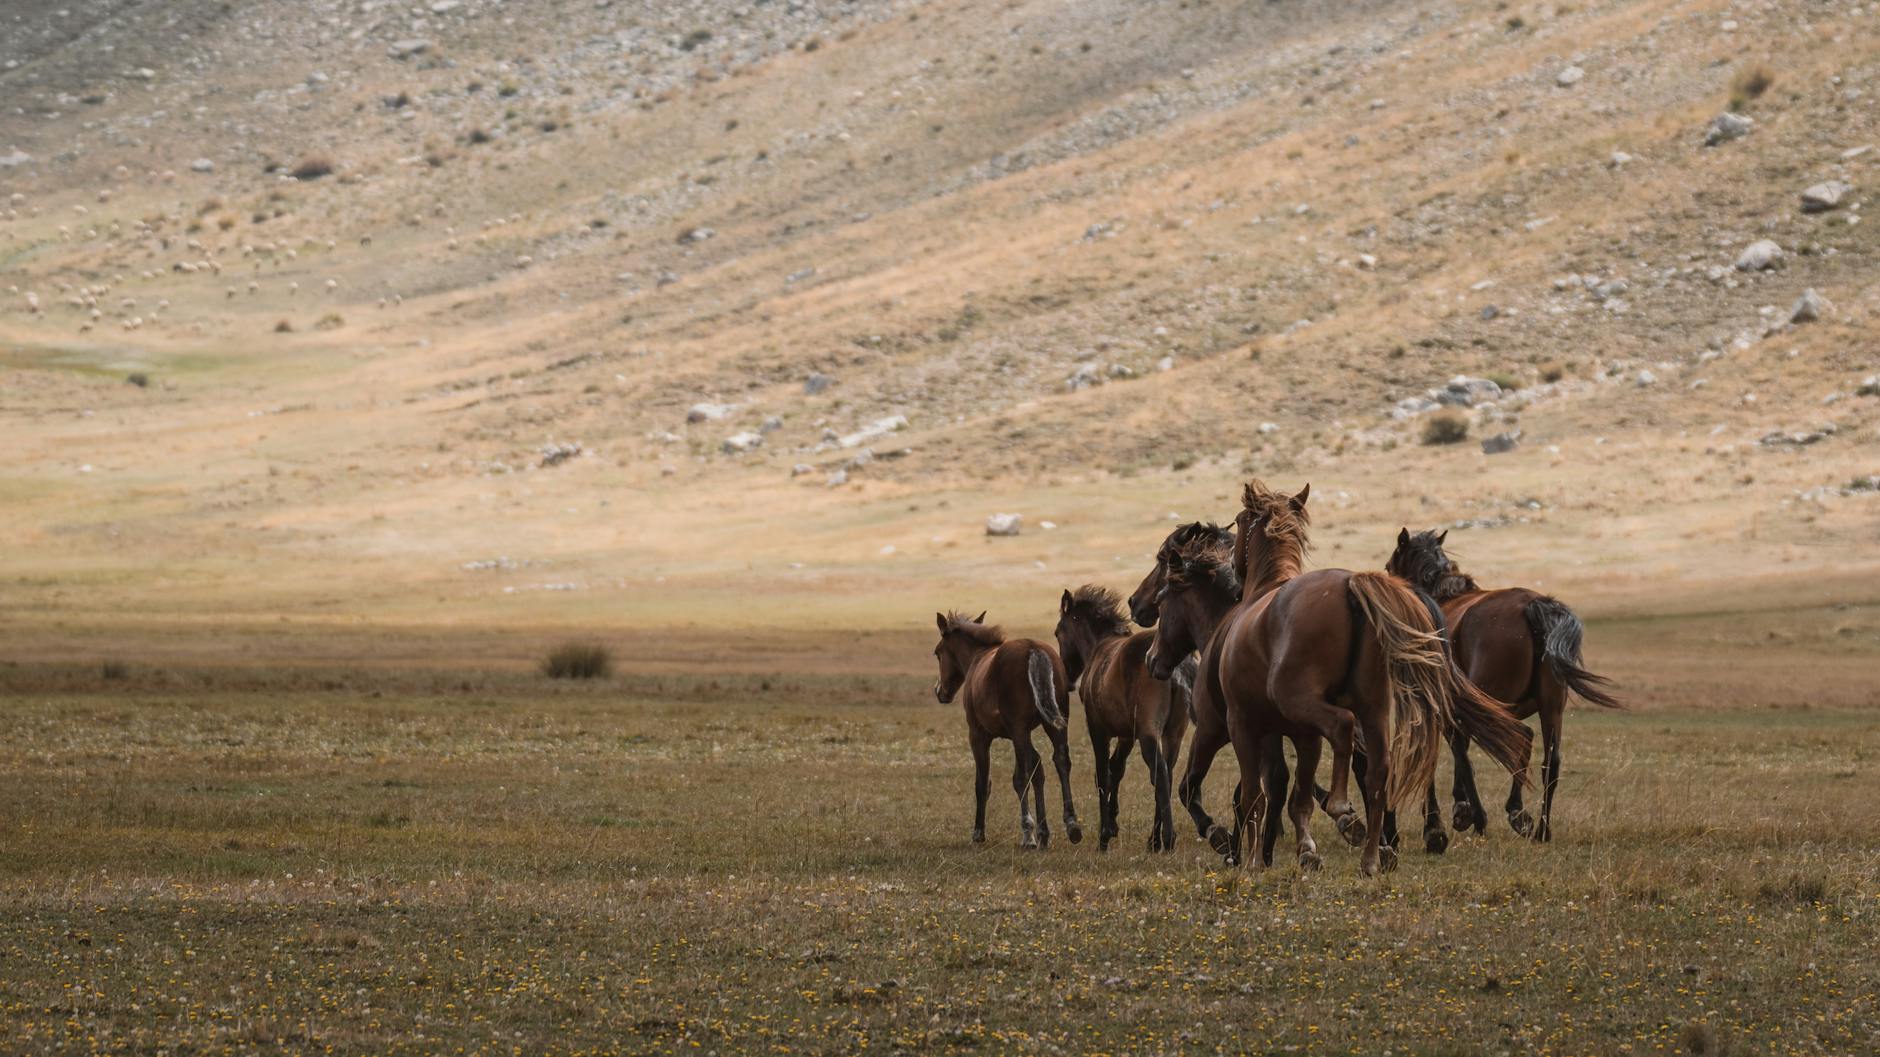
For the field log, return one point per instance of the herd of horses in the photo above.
(1250, 649)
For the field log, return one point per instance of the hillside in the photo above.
(459, 313)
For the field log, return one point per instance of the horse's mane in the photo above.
(983, 634)
(1206, 559)
(1100, 608)
(1284, 526)
(1199, 530)
(1429, 567)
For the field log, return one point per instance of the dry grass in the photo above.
(1444, 427)
(1749, 84)
(410, 861)
(578, 660)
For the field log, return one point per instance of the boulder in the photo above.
(1825, 196)
(1759, 256)
(739, 443)
(1570, 76)
(1726, 127)
(1501, 442)
(1003, 525)
(817, 383)
(1810, 307)
(708, 412)
(202, 165)
(1464, 391)
(881, 427)
(1084, 377)
(405, 49)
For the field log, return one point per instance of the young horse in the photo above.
(1519, 645)
(1008, 688)
(1122, 701)
(1350, 657)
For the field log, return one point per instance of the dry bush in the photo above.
(283, 327)
(138, 379)
(312, 167)
(1749, 84)
(330, 321)
(1552, 371)
(114, 671)
(1445, 427)
(578, 660)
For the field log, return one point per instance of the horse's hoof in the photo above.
(1367, 867)
(1103, 844)
(1387, 859)
(1544, 833)
(1309, 859)
(1435, 841)
(1230, 859)
(1220, 840)
(1076, 831)
(1351, 827)
(1522, 822)
(1463, 818)
(979, 836)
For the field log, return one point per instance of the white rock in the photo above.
(1758, 256)
(739, 443)
(202, 165)
(404, 49)
(1646, 378)
(1003, 525)
(1810, 307)
(708, 412)
(881, 427)
(1570, 76)
(1726, 127)
(1825, 196)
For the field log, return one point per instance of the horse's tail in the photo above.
(1044, 687)
(1416, 667)
(1558, 631)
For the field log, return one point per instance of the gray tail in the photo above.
(1044, 687)
(1559, 632)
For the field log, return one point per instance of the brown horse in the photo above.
(1353, 658)
(1008, 687)
(1122, 701)
(1520, 646)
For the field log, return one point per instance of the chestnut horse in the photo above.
(1519, 645)
(1349, 657)
(1122, 701)
(1008, 687)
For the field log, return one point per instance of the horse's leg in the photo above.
(1553, 710)
(1377, 852)
(1022, 769)
(1106, 807)
(1435, 838)
(1300, 807)
(1250, 793)
(1358, 771)
(1519, 819)
(1119, 762)
(1340, 727)
(1209, 737)
(982, 763)
(1061, 759)
(1469, 813)
(1276, 779)
(1162, 832)
(1037, 797)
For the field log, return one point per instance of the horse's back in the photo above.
(1493, 642)
(1003, 689)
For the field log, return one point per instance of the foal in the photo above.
(1122, 701)
(1008, 687)
(1521, 646)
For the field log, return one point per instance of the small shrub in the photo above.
(478, 136)
(330, 321)
(507, 89)
(114, 671)
(283, 327)
(226, 221)
(312, 167)
(398, 102)
(694, 39)
(1506, 381)
(1552, 371)
(1749, 84)
(1516, 24)
(1445, 427)
(1793, 890)
(138, 379)
(1182, 462)
(578, 660)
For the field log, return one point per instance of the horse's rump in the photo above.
(1417, 676)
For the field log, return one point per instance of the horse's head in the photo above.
(960, 639)
(1086, 617)
(1420, 559)
(1270, 540)
(1198, 581)
(1142, 605)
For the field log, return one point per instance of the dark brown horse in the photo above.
(1008, 687)
(1521, 646)
(1122, 701)
(1352, 658)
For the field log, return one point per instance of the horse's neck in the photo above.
(1277, 565)
(1455, 585)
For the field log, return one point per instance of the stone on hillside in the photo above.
(801, 468)
(837, 479)
(1825, 196)
(1726, 127)
(881, 427)
(1464, 391)
(708, 412)
(202, 165)
(14, 159)
(1570, 76)
(739, 443)
(1810, 307)
(1084, 377)
(554, 454)
(1501, 442)
(404, 49)
(1645, 378)
(1758, 256)
(1003, 525)
(816, 383)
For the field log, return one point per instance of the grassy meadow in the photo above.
(374, 859)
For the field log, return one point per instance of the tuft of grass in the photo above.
(1749, 84)
(138, 379)
(312, 167)
(578, 660)
(1552, 371)
(694, 39)
(1502, 378)
(1793, 890)
(283, 327)
(114, 671)
(330, 321)
(1445, 427)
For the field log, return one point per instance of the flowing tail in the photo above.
(1559, 632)
(1418, 672)
(1044, 687)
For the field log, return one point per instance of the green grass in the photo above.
(409, 862)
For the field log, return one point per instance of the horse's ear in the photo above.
(1443, 537)
(1176, 564)
(981, 618)
(1299, 501)
(1403, 537)
(941, 619)
(1064, 604)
